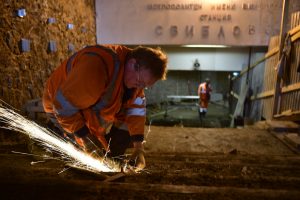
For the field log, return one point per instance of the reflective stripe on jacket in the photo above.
(87, 89)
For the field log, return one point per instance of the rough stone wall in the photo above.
(23, 74)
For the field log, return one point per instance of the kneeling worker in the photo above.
(99, 92)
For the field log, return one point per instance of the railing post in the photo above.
(278, 82)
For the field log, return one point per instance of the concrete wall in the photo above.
(210, 59)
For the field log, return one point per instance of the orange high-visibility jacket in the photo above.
(204, 90)
(87, 89)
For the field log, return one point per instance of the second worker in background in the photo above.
(204, 91)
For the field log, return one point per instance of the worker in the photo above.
(99, 92)
(204, 91)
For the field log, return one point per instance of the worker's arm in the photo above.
(135, 118)
(199, 90)
(199, 93)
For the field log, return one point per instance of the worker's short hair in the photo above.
(207, 80)
(151, 58)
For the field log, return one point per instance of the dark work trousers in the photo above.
(119, 140)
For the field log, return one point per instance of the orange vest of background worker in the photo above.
(204, 91)
(99, 93)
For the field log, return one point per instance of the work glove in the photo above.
(137, 160)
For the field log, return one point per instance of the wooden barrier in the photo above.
(280, 95)
(291, 80)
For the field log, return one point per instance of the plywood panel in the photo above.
(291, 98)
(269, 78)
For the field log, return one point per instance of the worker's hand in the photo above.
(137, 160)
